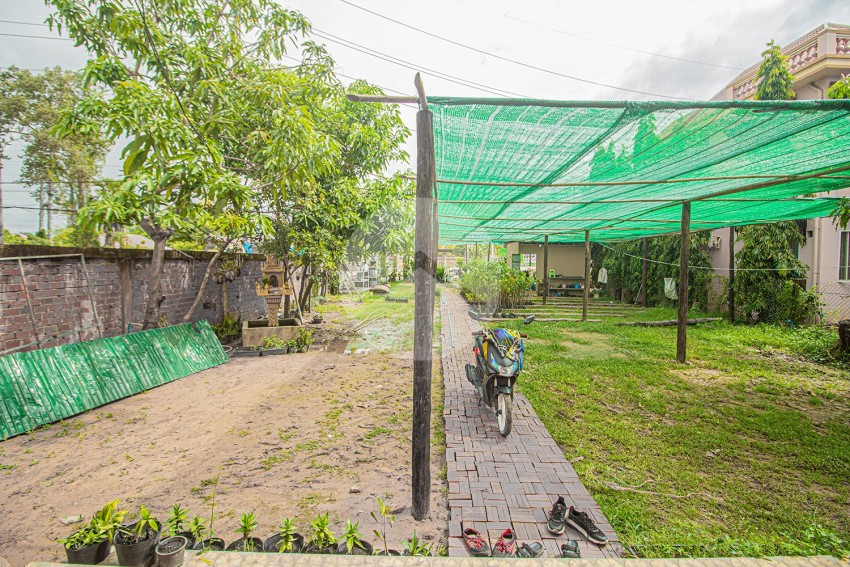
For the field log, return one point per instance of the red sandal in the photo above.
(476, 544)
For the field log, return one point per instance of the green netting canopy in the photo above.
(512, 170)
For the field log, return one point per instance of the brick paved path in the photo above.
(497, 483)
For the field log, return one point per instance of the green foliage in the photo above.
(287, 535)
(176, 520)
(624, 264)
(384, 516)
(305, 337)
(101, 527)
(774, 75)
(274, 342)
(146, 523)
(840, 89)
(766, 264)
(441, 273)
(494, 284)
(352, 537)
(817, 343)
(321, 536)
(415, 547)
(229, 327)
(197, 527)
(247, 525)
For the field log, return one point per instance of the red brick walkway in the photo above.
(497, 483)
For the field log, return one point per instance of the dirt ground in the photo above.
(283, 436)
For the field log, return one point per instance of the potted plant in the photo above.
(229, 328)
(352, 542)
(275, 345)
(170, 551)
(416, 547)
(197, 527)
(386, 515)
(287, 540)
(292, 344)
(135, 543)
(322, 539)
(247, 525)
(92, 543)
(174, 525)
(305, 339)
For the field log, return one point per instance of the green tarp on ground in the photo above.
(520, 169)
(43, 386)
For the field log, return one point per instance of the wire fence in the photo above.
(836, 301)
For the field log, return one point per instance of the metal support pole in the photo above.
(682, 331)
(91, 296)
(424, 279)
(643, 271)
(29, 303)
(586, 296)
(732, 274)
(545, 268)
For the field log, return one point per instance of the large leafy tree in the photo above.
(768, 259)
(774, 75)
(216, 127)
(63, 168)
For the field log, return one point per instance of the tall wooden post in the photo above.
(423, 326)
(545, 268)
(732, 274)
(682, 334)
(586, 297)
(489, 251)
(643, 271)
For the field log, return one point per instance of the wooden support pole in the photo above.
(586, 296)
(545, 268)
(682, 331)
(732, 274)
(489, 251)
(644, 270)
(423, 328)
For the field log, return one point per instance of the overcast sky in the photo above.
(662, 48)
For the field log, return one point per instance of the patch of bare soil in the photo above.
(283, 436)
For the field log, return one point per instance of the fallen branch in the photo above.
(670, 323)
(614, 486)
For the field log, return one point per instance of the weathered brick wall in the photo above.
(119, 282)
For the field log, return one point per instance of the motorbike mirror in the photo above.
(528, 320)
(474, 315)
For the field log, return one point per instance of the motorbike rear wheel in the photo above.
(504, 413)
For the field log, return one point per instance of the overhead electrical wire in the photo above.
(508, 59)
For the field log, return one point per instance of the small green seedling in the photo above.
(247, 525)
(322, 536)
(415, 547)
(352, 537)
(176, 520)
(385, 512)
(287, 535)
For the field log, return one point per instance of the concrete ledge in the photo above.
(15, 250)
(234, 559)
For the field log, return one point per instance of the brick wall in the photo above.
(119, 280)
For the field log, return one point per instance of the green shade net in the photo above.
(43, 386)
(738, 163)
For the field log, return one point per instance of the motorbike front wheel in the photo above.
(504, 414)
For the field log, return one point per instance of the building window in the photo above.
(844, 256)
(529, 260)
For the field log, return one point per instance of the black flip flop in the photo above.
(533, 549)
(570, 549)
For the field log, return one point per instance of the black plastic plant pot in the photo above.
(342, 548)
(393, 552)
(212, 544)
(254, 544)
(326, 550)
(90, 554)
(274, 351)
(170, 551)
(272, 543)
(139, 554)
(237, 352)
(190, 539)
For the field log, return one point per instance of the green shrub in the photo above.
(493, 284)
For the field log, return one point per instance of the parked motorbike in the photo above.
(499, 357)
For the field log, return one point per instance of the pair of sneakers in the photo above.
(560, 516)
(506, 546)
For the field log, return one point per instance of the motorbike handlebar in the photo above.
(476, 333)
(523, 336)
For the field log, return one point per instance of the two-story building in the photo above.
(817, 60)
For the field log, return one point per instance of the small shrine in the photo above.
(272, 286)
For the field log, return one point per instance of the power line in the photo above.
(508, 59)
(618, 46)
(414, 66)
(40, 24)
(35, 36)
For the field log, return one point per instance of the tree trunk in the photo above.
(188, 316)
(50, 213)
(844, 334)
(223, 300)
(159, 236)
(1, 198)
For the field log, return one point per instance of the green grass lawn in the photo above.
(749, 442)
